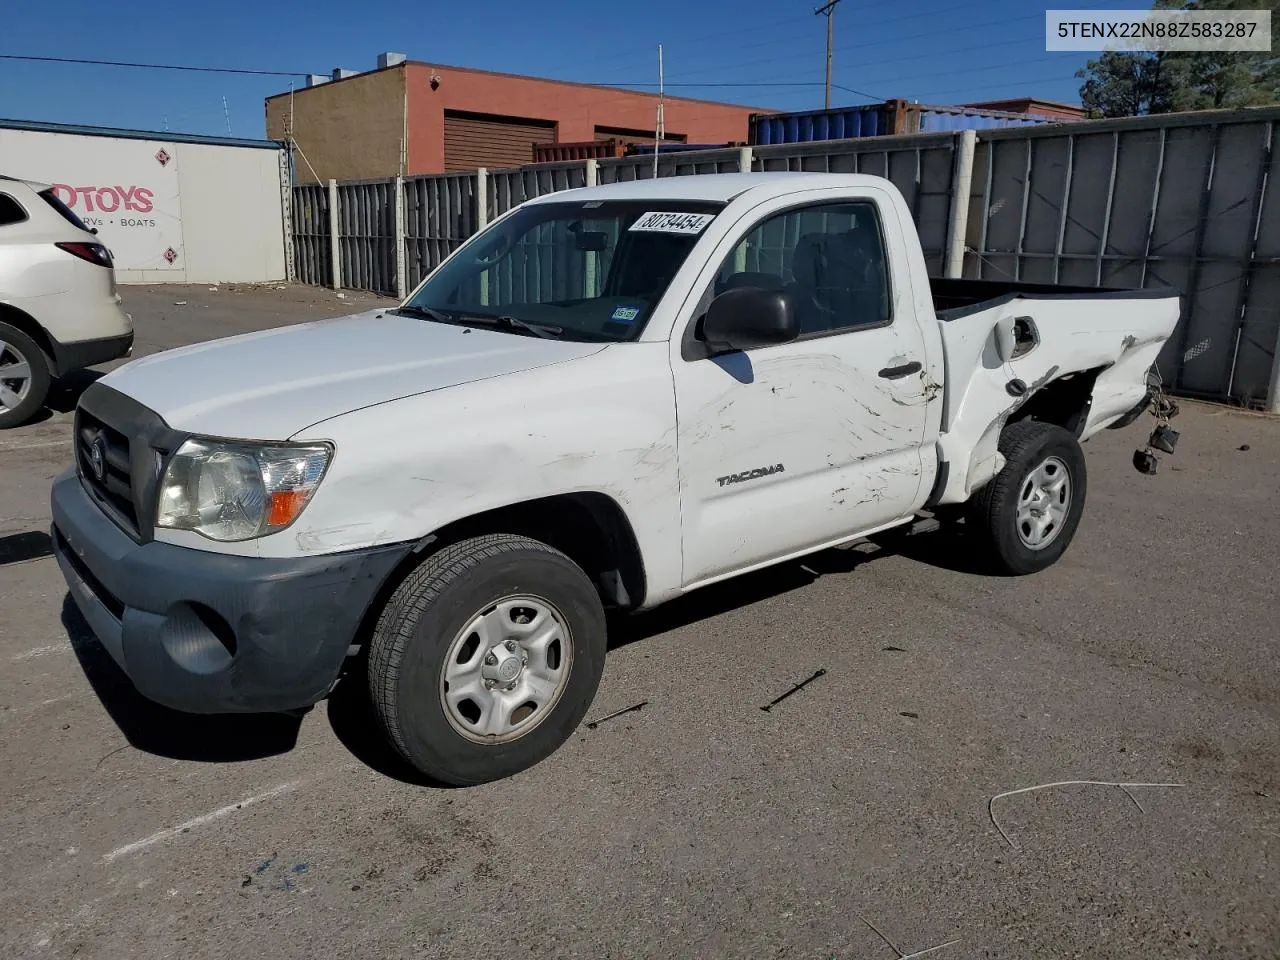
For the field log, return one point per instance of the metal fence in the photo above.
(367, 234)
(439, 213)
(311, 256)
(1184, 201)
(510, 188)
(640, 167)
(922, 167)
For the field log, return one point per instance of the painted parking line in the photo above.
(40, 652)
(170, 832)
(36, 445)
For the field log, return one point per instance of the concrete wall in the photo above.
(350, 129)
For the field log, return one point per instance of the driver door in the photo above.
(789, 447)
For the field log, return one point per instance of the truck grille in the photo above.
(103, 456)
(121, 448)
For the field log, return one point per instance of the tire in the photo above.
(24, 392)
(1019, 516)
(450, 622)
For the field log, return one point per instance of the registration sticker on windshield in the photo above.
(657, 222)
(625, 314)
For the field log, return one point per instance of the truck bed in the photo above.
(953, 298)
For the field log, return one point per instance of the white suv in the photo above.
(59, 309)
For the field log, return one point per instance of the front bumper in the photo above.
(208, 632)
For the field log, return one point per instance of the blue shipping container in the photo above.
(951, 120)
(877, 120)
(813, 125)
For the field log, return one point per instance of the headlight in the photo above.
(234, 491)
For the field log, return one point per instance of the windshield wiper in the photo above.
(429, 313)
(544, 330)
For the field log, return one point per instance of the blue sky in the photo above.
(935, 51)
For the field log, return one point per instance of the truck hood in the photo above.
(271, 384)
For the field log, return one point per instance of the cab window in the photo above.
(830, 258)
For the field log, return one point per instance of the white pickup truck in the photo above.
(607, 398)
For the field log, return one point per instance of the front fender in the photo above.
(403, 470)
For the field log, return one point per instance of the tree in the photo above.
(1132, 84)
(1126, 85)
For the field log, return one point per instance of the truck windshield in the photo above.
(587, 270)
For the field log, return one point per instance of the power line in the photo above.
(154, 66)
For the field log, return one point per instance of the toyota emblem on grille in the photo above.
(98, 458)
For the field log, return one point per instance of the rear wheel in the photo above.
(1027, 515)
(486, 658)
(24, 377)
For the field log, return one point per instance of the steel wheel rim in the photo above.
(1044, 502)
(15, 377)
(506, 670)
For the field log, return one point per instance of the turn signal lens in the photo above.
(285, 507)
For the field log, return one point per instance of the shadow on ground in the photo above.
(21, 547)
(356, 726)
(154, 729)
(229, 738)
(354, 723)
(65, 392)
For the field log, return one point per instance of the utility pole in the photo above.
(659, 129)
(827, 10)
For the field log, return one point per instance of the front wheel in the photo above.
(486, 659)
(1028, 513)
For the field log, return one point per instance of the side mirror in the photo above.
(1006, 338)
(748, 317)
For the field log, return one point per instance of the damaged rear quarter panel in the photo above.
(1118, 335)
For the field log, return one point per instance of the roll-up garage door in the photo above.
(483, 140)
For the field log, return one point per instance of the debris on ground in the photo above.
(1066, 783)
(634, 708)
(796, 689)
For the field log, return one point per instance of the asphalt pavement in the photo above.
(1082, 763)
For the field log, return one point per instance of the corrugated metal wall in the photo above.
(1183, 201)
(922, 167)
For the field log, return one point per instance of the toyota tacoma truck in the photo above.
(607, 398)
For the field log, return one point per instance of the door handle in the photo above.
(903, 370)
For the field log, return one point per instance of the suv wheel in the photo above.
(24, 377)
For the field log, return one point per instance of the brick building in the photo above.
(409, 118)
